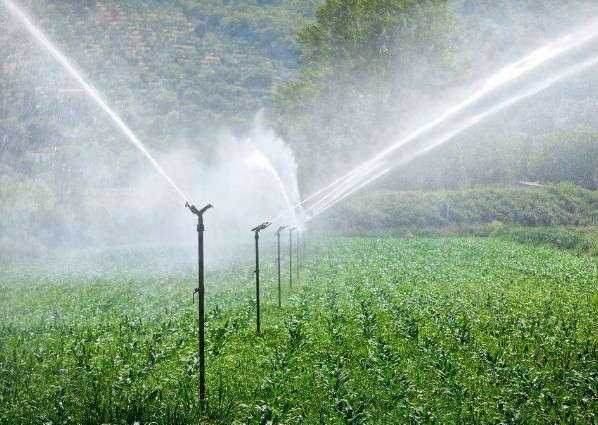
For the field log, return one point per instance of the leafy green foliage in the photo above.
(368, 60)
(568, 156)
(558, 205)
(582, 241)
(374, 71)
(172, 69)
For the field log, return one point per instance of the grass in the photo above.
(378, 330)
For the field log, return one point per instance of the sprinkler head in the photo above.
(196, 211)
(291, 229)
(280, 229)
(261, 227)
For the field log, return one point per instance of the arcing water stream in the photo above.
(530, 91)
(258, 160)
(41, 38)
(341, 192)
(344, 186)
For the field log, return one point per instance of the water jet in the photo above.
(93, 93)
(473, 108)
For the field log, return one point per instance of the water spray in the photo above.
(340, 198)
(280, 229)
(257, 231)
(201, 291)
(45, 42)
(536, 88)
(368, 171)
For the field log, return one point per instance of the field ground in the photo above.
(377, 330)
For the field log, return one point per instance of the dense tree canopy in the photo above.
(366, 63)
(568, 155)
(374, 70)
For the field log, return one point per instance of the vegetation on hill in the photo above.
(559, 205)
(180, 71)
(365, 64)
(174, 69)
(340, 80)
(375, 71)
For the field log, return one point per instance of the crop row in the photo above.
(458, 330)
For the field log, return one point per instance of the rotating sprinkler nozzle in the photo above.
(197, 212)
(261, 227)
(280, 229)
(257, 230)
(201, 291)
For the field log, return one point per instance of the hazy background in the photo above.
(207, 84)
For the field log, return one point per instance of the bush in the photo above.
(568, 155)
(560, 205)
(582, 241)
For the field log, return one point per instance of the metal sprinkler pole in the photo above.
(304, 256)
(291, 257)
(257, 230)
(298, 258)
(280, 229)
(201, 291)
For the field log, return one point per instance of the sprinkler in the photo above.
(280, 229)
(257, 230)
(298, 255)
(291, 256)
(304, 252)
(201, 291)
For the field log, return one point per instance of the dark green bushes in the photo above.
(560, 205)
(582, 241)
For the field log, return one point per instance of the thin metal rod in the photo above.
(304, 256)
(201, 291)
(280, 229)
(297, 256)
(257, 279)
(279, 293)
(291, 258)
(257, 230)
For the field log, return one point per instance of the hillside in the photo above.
(173, 69)
(185, 70)
(184, 73)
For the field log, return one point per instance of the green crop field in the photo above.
(378, 330)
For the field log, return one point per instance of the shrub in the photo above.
(558, 205)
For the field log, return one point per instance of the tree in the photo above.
(373, 37)
(366, 64)
(569, 155)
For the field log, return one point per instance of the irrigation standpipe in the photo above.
(257, 230)
(298, 254)
(201, 291)
(304, 253)
(291, 257)
(280, 229)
